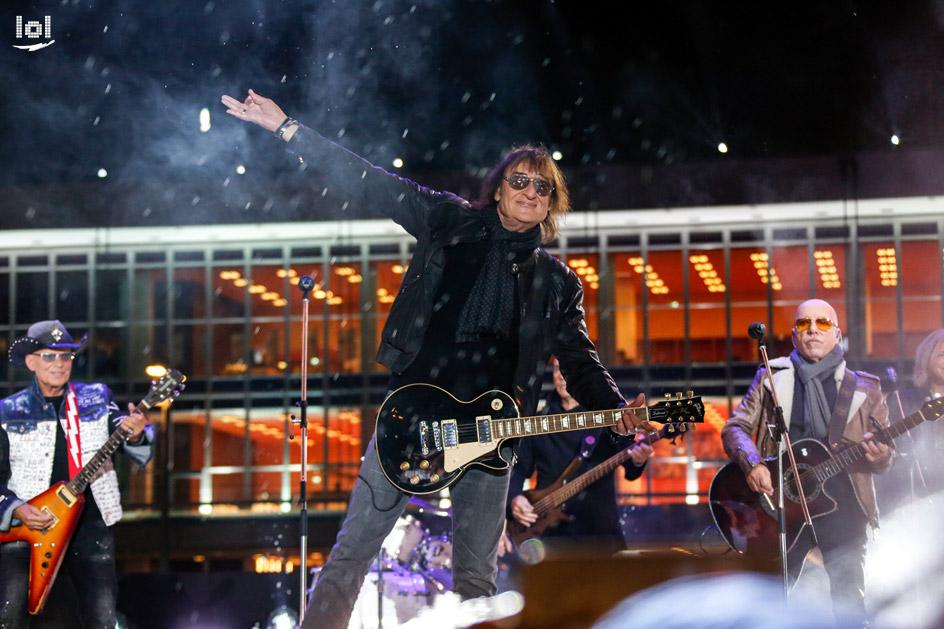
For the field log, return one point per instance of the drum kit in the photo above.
(413, 568)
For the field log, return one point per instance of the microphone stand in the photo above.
(779, 433)
(305, 284)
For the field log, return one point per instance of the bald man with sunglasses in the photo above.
(809, 384)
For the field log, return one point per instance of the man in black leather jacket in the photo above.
(482, 306)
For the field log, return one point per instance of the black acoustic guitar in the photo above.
(748, 520)
(425, 437)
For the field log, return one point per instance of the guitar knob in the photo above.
(414, 480)
(405, 466)
(434, 478)
(424, 465)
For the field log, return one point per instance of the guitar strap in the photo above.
(837, 423)
(73, 442)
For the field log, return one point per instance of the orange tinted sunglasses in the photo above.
(823, 323)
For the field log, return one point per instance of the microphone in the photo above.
(757, 331)
(306, 283)
(892, 376)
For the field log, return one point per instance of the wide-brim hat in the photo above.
(43, 335)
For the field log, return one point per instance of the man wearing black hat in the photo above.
(48, 432)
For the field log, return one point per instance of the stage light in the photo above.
(557, 156)
(397, 162)
(204, 120)
(722, 147)
(283, 617)
(895, 140)
(102, 173)
(240, 170)
(155, 371)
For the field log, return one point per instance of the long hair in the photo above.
(923, 356)
(538, 160)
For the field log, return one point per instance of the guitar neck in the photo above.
(847, 456)
(571, 489)
(78, 484)
(549, 424)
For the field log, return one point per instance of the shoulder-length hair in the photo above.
(538, 160)
(923, 356)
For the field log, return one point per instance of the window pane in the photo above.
(72, 296)
(708, 323)
(230, 289)
(627, 293)
(32, 298)
(388, 274)
(920, 277)
(790, 269)
(189, 293)
(111, 295)
(662, 275)
(229, 349)
(228, 440)
(107, 353)
(4, 298)
(189, 349)
(343, 299)
(881, 300)
(587, 268)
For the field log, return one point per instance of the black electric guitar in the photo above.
(748, 520)
(425, 437)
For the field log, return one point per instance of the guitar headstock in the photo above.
(167, 387)
(678, 410)
(932, 410)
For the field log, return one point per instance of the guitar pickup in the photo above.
(483, 426)
(450, 434)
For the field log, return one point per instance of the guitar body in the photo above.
(48, 546)
(748, 521)
(425, 437)
(550, 518)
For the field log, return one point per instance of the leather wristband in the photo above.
(288, 122)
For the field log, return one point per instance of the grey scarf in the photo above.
(816, 411)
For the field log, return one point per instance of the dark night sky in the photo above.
(446, 85)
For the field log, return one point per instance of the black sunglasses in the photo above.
(520, 182)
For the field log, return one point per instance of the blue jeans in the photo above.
(478, 510)
(89, 565)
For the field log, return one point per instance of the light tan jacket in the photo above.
(866, 412)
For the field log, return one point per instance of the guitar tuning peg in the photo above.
(670, 428)
(682, 427)
(689, 394)
(668, 396)
(678, 395)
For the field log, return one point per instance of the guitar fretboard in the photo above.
(547, 424)
(846, 457)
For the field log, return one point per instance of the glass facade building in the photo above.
(669, 295)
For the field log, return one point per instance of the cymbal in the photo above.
(427, 507)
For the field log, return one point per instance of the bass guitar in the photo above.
(748, 521)
(425, 437)
(548, 502)
(64, 501)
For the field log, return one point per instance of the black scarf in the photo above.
(489, 308)
(816, 410)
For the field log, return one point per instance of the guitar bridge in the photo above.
(425, 432)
